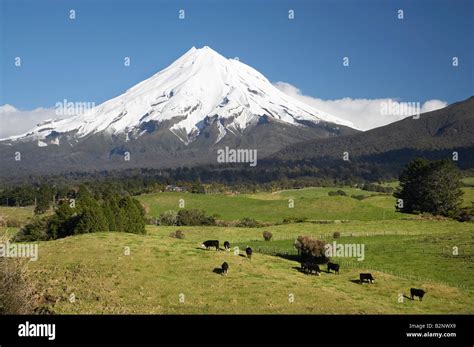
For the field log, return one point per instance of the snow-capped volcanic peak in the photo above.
(199, 84)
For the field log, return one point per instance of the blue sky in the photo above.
(82, 59)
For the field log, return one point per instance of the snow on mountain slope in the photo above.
(199, 84)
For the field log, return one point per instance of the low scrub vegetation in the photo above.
(248, 223)
(178, 234)
(294, 220)
(17, 293)
(185, 217)
(337, 192)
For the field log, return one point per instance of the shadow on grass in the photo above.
(217, 270)
(208, 249)
(293, 257)
(299, 269)
(356, 281)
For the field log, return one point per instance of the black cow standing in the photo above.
(335, 267)
(225, 268)
(227, 245)
(366, 277)
(310, 268)
(211, 243)
(249, 252)
(417, 292)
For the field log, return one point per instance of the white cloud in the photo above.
(365, 114)
(16, 122)
(433, 105)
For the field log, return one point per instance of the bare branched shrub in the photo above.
(17, 294)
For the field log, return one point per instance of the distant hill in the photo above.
(434, 135)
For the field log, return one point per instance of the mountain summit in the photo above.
(198, 86)
(181, 116)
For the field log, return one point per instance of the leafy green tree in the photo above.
(116, 220)
(433, 187)
(109, 216)
(197, 188)
(64, 221)
(35, 231)
(133, 216)
(44, 197)
(91, 220)
(84, 197)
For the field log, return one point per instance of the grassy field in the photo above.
(311, 203)
(159, 269)
(168, 275)
(18, 215)
(469, 181)
(468, 197)
(425, 254)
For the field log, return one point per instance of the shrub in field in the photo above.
(312, 249)
(294, 220)
(35, 231)
(194, 217)
(337, 192)
(267, 236)
(466, 214)
(322, 222)
(224, 223)
(336, 235)
(248, 223)
(179, 234)
(169, 218)
(358, 197)
(17, 294)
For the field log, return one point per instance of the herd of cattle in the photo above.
(306, 267)
(215, 244)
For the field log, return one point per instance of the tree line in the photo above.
(86, 214)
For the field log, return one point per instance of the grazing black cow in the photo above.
(249, 252)
(417, 292)
(225, 268)
(310, 268)
(332, 266)
(227, 245)
(210, 243)
(366, 277)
